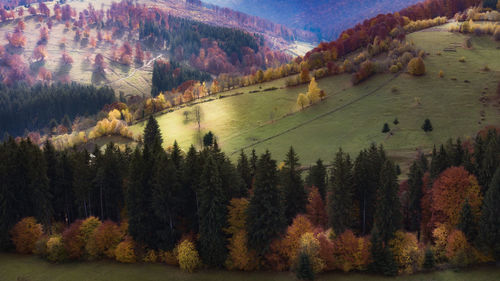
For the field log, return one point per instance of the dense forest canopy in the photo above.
(32, 107)
(169, 75)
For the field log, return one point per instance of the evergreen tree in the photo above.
(427, 126)
(304, 268)
(152, 136)
(176, 156)
(396, 121)
(341, 215)
(208, 139)
(294, 195)
(383, 258)
(244, 170)
(386, 128)
(253, 163)
(415, 185)
(317, 177)
(429, 260)
(265, 214)
(467, 222)
(189, 192)
(439, 162)
(213, 216)
(388, 212)
(489, 224)
(166, 203)
(490, 159)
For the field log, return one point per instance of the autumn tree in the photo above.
(44, 35)
(351, 252)
(315, 209)
(304, 75)
(139, 53)
(124, 252)
(189, 259)
(449, 193)
(25, 234)
(40, 53)
(302, 100)
(66, 59)
(313, 92)
(317, 177)
(416, 66)
(265, 213)
(99, 64)
(240, 257)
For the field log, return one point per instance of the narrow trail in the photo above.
(135, 70)
(317, 117)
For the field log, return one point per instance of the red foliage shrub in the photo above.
(73, 242)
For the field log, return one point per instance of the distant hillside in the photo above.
(326, 18)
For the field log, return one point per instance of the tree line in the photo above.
(170, 75)
(198, 207)
(31, 108)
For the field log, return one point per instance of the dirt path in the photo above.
(135, 70)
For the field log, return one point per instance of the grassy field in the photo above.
(352, 117)
(32, 268)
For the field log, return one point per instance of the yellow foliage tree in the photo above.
(25, 234)
(188, 257)
(240, 257)
(124, 252)
(291, 242)
(440, 236)
(407, 254)
(87, 228)
(309, 245)
(313, 92)
(416, 66)
(302, 100)
(55, 249)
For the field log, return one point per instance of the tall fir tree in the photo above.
(489, 224)
(189, 193)
(294, 195)
(468, 222)
(341, 211)
(152, 136)
(383, 259)
(265, 214)
(304, 269)
(439, 162)
(213, 216)
(388, 216)
(415, 185)
(317, 177)
(244, 170)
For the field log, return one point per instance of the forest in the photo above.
(197, 208)
(32, 108)
(170, 75)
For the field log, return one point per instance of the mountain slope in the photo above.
(326, 18)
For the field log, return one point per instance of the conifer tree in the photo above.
(265, 213)
(295, 198)
(341, 215)
(429, 260)
(152, 136)
(383, 259)
(244, 170)
(189, 193)
(415, 185)
(317, 177)
(489, 224)
(388, 212)
(386, 128)
(213, 216)
(427, 126)
(439, 162)
(468, 224)
(304, 268)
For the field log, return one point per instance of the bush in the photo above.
(41, 247)
(188, 257)
(429, 261)
(106, 237)
(55, 249)
(394, 68)
(124, 252)
(72, 240)
(458, 250)
(87, 228)
(416, 66)
(441, 74)
(150, 257)
(25, 234)
(462, 59)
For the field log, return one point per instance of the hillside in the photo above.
(326, 18)
(459, 105)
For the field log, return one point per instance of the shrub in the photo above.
(407, 255)
(55, 249)
(427, 126)
(25, 234)
(87, 228)
(458, 250)
(416, 66)
(441, 74)
(496, 34)
(429, 261)
(326, 250)
(462, 59)
(188, 257)
(106, 237)
(386, 128)
(72, 240)
(150, 257)
(350, 252)
(124, 252)
(41, 246)
(394, 68)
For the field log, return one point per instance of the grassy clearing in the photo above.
(32, 268)
(352, 117)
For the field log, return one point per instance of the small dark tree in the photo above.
(208, 139)
(152, 136)
(467, 222)
(396, 121)
(429, 259)
(386, 128)
(427, 126)
(304, 268)
(489, 224)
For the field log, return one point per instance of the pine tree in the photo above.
(318, 178)
(295, 198)
(166, 203)
(213, 216)
(383, 259)
(244, 170)
(152, 136)
(189, 192)
(253, 164)
(439, 163)
(427, 126)
(489, 224)
(265, 213)
(304, 268)
(468, 224)
(388, 212)
(341, 215)
(386, 128)
(429, 260)
(415, 185)
(395, 122)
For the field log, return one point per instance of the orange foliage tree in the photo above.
(17, 39)
(124, 252)
(73, 242)
(326, 250)
(458, 250)
(407, 254)
(291, 241)
(106, 237)
(315, 209)
(25, 233)
(351, 252)
(449, 192)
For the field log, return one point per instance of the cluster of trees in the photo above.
(477, 28)
(198, 208)
(32, 108)
(168, 75)
(313, 95)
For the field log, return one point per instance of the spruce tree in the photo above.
(382, 257)
(467, 222)
(152, 136)
(386, 128)
(317, 177)
(489, 224)
(388, 212)
(304, 268)
(190, 185)
(244, 170)
(265, 214)
(253, 163)
(295, 198)
(427, 126)
(213, 216)
(415, 185)
(440, 162)
(341, 215)
(429, 260)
